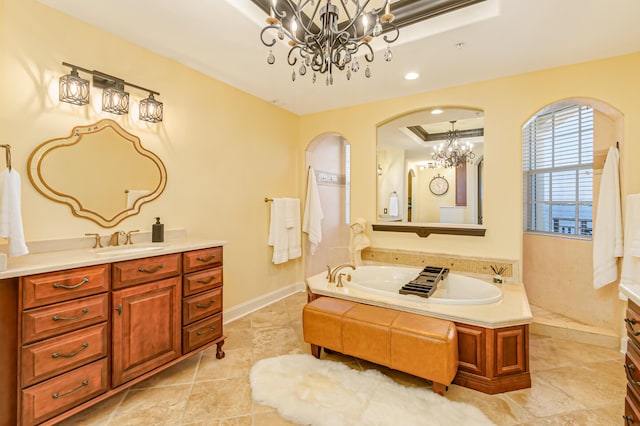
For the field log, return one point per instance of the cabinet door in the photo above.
(146, 328)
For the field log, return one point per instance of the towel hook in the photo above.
(7, 152)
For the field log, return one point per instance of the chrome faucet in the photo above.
(331, 274)
(114, 240)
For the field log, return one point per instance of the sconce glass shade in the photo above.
(74, 89)
(115, 100)
(151, 110)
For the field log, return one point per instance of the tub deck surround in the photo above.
(493, 338)
(81, 325)
(512, 310)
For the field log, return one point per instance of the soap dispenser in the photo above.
(157, 231)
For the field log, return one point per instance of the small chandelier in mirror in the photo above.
(74, 89)
(325, 36)
(453, 153)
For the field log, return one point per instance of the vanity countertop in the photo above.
(57, 260)
(512, 310)
(631, 291)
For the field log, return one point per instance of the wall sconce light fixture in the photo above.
(75, 90)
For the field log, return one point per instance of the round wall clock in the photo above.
(438, 185)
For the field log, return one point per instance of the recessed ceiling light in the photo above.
(436, 111)
(411, 76)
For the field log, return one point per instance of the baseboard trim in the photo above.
(260, 302)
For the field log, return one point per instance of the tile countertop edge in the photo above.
(516, 312)
(68, 259)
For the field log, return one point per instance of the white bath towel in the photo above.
(11, 212)
(631, 263)
(134, 194)
(607, 236)
(312, 223)
(285, 240)
(394, 205)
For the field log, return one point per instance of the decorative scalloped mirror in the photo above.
(101, 171)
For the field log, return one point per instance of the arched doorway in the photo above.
(330, 155)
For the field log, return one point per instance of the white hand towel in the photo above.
(285, 240)
(630, 263)
(292, 223)
(312, 222)
(394, 207)
(607, 236)
(11, 212)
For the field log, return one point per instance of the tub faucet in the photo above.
(333, 273)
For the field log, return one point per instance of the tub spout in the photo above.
(334, 272)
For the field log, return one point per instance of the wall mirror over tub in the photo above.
(430, 172)
(101, 171)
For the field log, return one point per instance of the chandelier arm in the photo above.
(293, 61)
(369, 56)
(397, 34)
(262, 33)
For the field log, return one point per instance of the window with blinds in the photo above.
(557, 157)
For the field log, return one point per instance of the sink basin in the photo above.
(120, 250)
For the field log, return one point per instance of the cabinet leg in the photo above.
(219, 351)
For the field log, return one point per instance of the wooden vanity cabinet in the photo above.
(88, 333)
(632, 364)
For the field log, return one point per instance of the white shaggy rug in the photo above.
(326, 393)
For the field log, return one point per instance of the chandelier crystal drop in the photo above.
(453, 153)
(326, 35)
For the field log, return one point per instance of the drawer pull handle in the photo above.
(119, 309)
(150, 271)
(207, 281)
(58, 395)
(75, 317)
(71, 287)
(206, 259)
(211, 302)
(84, 346)
(212, 329)
(630, 323)
(628, 420)
(629, 368)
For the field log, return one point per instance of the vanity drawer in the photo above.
(202, 281)
(58, 355)
(47, 399)
(201, 305)
(52, 287)
(632, 322)
(138, 271)
(201, 332)
(48, 321)
(197, 260)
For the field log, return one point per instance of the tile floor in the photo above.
(573, 383)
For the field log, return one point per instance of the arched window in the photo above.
(557, 160)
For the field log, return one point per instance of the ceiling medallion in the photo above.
(327, 35)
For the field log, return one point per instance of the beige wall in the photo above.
(224, 150)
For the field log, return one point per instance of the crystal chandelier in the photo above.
(452, 153)
(323, 43)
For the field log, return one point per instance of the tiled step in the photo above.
(554, 325)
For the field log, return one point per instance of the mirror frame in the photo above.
(34, 169)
